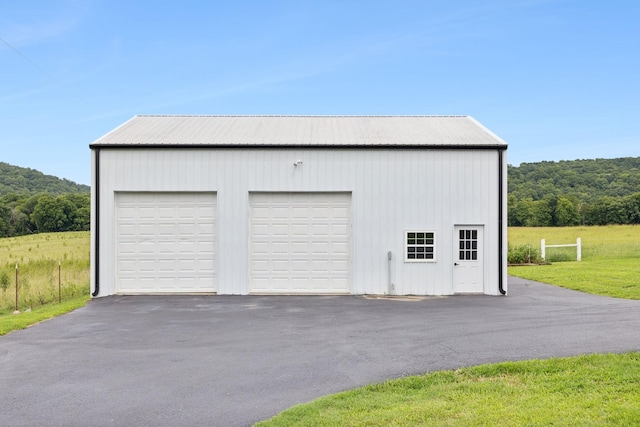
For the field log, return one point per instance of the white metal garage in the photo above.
(299, 242)
(400, 205)
(165, 242)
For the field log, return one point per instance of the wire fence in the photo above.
(36, 283)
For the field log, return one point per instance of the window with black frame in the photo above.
(420, 246)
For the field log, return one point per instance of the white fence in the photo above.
(577, 244)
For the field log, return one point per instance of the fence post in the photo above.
(543, 249)
(579, 248)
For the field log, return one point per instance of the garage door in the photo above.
(300, 243)
(165, 242)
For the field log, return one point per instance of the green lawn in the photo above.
(619, 278)
(595, 390)
(13, 322)
(610, 258)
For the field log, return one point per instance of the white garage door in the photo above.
(165, 242)
(300, 243)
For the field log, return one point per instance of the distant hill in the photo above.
(585, 180)
(565, 193)
(18, 180)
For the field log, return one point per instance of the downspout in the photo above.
(500, 220)
(96, 227)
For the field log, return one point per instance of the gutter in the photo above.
(301, 146)
(500, 220)
(96, 229)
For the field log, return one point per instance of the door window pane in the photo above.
(468, 244)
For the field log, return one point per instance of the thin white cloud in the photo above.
(22, 95)
(25, 34)
(23, 25)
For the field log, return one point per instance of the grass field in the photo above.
(610, 258)
(37, 257)
(594, 390)
(606, 242)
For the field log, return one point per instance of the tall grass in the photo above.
(38, 257)
(598, 242)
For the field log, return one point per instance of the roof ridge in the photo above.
(301, 116)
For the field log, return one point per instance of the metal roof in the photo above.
(300, 131)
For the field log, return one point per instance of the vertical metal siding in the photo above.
(392, 191)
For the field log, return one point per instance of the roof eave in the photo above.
(302, 146)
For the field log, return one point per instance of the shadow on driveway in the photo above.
(234, 360)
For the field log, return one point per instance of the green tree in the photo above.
(632, 207)
(5, 220)
(608, 210)
(541, 214)
(566, 213)
(524, 212)
(82, 220)
(512, 211)
(53, 214)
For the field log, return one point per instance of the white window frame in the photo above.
(424, 244)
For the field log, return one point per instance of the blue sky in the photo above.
(556, 79)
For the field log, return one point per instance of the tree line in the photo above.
(578, 192)
(42, 213)
(562, 211)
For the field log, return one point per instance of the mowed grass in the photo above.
(38, 257)
(11, 322)
(593, 390)
(610, 263)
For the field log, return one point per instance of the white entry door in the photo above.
(468, 266)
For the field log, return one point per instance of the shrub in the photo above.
(523, 254)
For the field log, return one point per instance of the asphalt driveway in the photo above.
(227, 360)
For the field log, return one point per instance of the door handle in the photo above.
(455, 263)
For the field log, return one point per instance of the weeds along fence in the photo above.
(41, 282)
(563, 254)
(528, 254)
